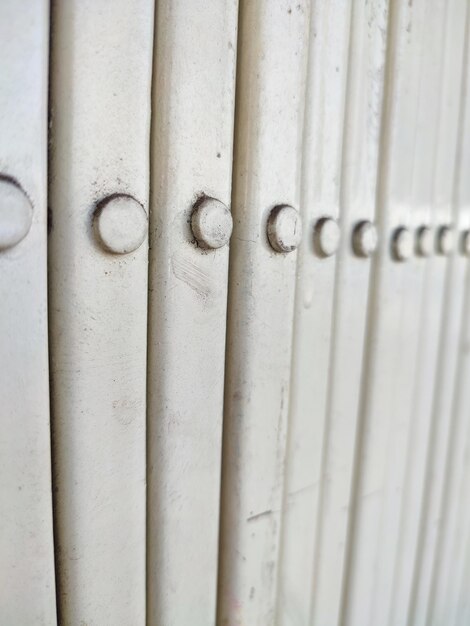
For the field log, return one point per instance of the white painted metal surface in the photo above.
(271, 75)
(27, 587)
(332, 323)
(192, 137)
(99, 188)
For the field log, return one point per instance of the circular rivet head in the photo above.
(365, 239)
(445, 240)
(465, 243)
(284, 228)
(120, 223)
(424, 241)
(326, 236)
(211, 223)
(16, 214)
(402, 244)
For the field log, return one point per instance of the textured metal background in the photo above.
(268, 426)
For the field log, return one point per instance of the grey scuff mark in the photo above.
(192, 275)
(259, 515)
(307, 488)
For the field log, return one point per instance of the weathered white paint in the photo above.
(273, 43)
(346, 471)
(100, 128)
(27, 587)
(192, 137)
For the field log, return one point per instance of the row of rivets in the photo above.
(425, 242)
(120, 223)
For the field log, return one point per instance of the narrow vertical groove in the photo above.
(51, 382)
(218, 619)
(148, 381)
(58, 589)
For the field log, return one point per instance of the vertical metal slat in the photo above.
(272, 45)
(27, 587)
(192, 138)
(99, 187)
(321, 169)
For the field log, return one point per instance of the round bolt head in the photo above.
(16, 213)
(465, 243)
(445, 240)
(326, 236)
(284, 228)
(365, 239)
(211, 223)
(425, 241)
(402, 244)
(120, 223)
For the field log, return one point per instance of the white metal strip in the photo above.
(412, 489)
(321, 167)
(192, 138)
(357, 203)
(443, 196)
(27, 588)
(100, 106)
(442, 597)
(451, 585)
(457, 584)
(393, 331)
(273, 46)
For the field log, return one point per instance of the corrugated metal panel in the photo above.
(344, 443)
(192, 137)
(27, 593)
(100, 127)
